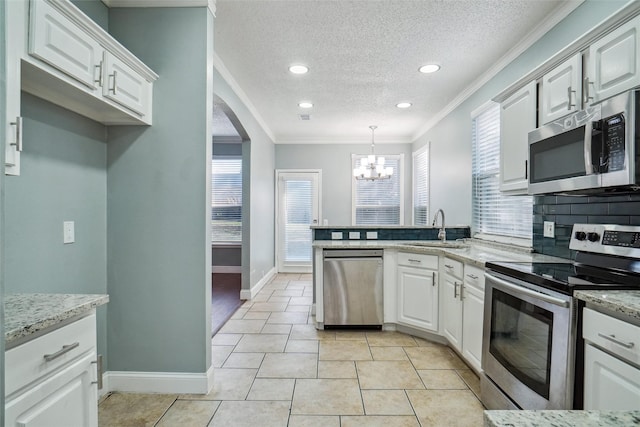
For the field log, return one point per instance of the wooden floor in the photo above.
(225, 298)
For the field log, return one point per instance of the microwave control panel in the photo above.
(614, 138)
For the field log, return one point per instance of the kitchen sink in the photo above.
(438, 244)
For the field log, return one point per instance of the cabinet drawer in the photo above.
(614, 335)
(474, 276)
(418, 260)
(26, 363)
(453, 267)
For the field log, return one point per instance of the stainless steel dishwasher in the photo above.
(352, 287)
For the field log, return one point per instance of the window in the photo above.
(421, 186)
(378, 202)
(493, 212)
(226, 199)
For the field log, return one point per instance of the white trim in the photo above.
(427, 148)
(248, 294)
(515, 241)
(533, 36)
(235, 87)
(158, 382)
(226, 269)
(481, 109)
(344, 139)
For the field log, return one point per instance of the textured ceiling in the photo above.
(363, 58)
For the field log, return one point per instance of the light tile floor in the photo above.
(273, 368)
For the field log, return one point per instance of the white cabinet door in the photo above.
(418, 298)
(517, 119)
(16, 29)
(56, 40)
(562, 90)
(472, 318)
(125, 86)
(66, 399)
(609, 383)
(452, 311)
(613, 63)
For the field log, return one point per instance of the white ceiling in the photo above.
(364, 56)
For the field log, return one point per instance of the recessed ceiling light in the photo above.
(403, 105)
(299, 69)
(429, 68)
(305, 105)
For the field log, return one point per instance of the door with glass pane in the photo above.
(298, 209)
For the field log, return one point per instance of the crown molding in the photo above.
(343, 140)
(533, 36)
(235, 87)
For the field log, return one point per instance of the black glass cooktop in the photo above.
(568, 277)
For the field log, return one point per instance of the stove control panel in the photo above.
(623, 240)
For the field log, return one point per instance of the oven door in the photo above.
(527, 349)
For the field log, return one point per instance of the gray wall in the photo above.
(159, 202)
(258, 214)
(451, 137)
(3, 129)
(63, 178)
(96, 10)
(335, 162)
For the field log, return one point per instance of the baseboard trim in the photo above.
(226, 269)
(158, 382)
(250, 293)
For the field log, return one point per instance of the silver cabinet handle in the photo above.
(472, 276)
(99, 80)
(433, 278)
(569, 92)
(115, 76)
(98, 363)
(526, 169)
(448, 266)
(18, 125)
(65, 349)
(455, 290)
(613, 339)
(461, 291)
(414, 260)
(587, 97)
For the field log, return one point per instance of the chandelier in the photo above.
(371, 169)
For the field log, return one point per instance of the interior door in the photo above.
(298, 207)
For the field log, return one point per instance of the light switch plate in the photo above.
(372, 235)
(336, 235)
(549, 229)
(354, 235)
(69, 234)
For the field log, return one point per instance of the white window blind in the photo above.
(378, 202)
(226, 199)
(421, 186)
(299, 215)
(493, 212)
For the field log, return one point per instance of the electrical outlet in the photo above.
(354, 235)
(69, 235)
(372, 235)
(549, 229)
(336, 235)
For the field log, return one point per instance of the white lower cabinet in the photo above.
(52, 380)
(418, 291)
(462, 309)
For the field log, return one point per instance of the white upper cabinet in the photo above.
(613, 63)
(561, 90)
(517, 119)
(126, 87)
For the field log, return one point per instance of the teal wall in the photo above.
(63, 178)
(3, 129)
(158, 229)
(451, 137)
(96, 10)
(335, 162)
(258, 190)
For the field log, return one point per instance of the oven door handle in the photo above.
(525, 291)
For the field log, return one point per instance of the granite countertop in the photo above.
(27, 314)
(561, 418)
(625, 303)
(469, 250)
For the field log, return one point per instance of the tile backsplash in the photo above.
(391, 233)
(568, 210)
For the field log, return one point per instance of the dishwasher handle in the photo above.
(352, 253)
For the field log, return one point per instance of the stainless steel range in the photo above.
(532, 349)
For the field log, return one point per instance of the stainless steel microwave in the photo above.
(592, 150)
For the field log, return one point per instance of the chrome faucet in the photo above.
(442, 234)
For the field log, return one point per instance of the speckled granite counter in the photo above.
(28, 314)
(468, 251)
(561, 418)
(625, 303)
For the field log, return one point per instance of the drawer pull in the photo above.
(414, 260)
(472, 276)
(448, 266)
(613, 339)
(63, 350)
(433, 278)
